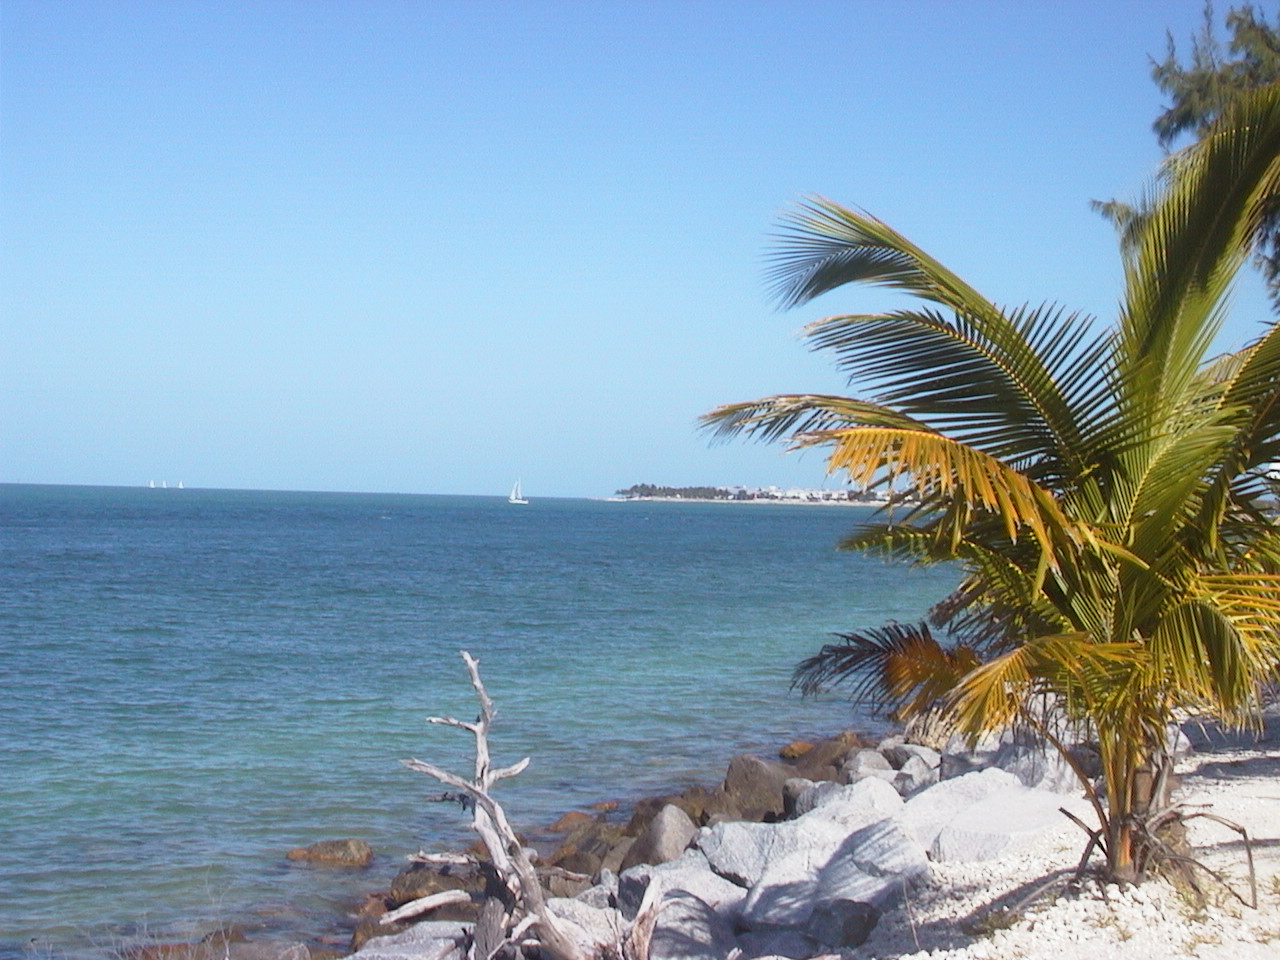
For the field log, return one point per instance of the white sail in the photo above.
(517, 496)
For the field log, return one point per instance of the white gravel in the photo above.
(956, 914)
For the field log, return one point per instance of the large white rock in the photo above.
(422, 941)
(689, 929)
(925, 814)
(741, 852)
(1002, 822)
(1038, 766)
(690, 873)
(874, 864)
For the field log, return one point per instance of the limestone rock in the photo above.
(926, 813)
(842, 924)
(422, 941)
(742, 852)
(872, 865)
(1002, 822)
(790, 944)
(689, 929)
(914, 775)
(690, 873)
(755, 785)
(1038, 766)
(423, 879)
(336, 853)
(665, 839)
(572, 819)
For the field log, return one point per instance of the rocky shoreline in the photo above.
(842, 846)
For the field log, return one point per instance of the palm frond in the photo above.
(899, 667)
(784, 416)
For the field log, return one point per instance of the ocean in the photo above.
(197, 681)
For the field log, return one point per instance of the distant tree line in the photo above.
(681, 493)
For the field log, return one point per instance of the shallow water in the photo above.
(196, 681)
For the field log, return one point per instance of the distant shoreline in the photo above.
(781, 501)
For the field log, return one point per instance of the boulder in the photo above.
(423, 879)
(899, 753)
(872, 865)
(665, 839)
(742, 852)
(422, 941)
(572, 819)
(1002, 822)
(587, 846)
(866, 763)
(926, 813)
(914, 775)
(795, 750)
(792, 790)
(842, 924)
(690, 929)
(690, 873)
(791, 944)
(602, 924)
(335, 853)
(1039, 766)
(824, 761)
(755, 786)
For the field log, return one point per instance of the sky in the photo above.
(431, 247)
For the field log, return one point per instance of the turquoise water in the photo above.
(197, 681)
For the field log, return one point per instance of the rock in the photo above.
(335, 853)
(1038, 766)
(691, 873)
(603, 894)
(792, 789)
(872, 865)
(823, 762)
(898, 755)
(423, 879)
(842, 924)
(224, 949)
(812, 796)
(605, 806)
(1001, 822)
(572, 819)
(422, 941)
(587, 846)
(795, 750)
(914, 775)
(742, 852)
(791, 944)
(689, 929)
(602, 924)
(612, 862)
(755, 786)
(866, 763)
(665, 839)
(926, 813)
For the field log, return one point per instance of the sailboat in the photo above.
(516, 495)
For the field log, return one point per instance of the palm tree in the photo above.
(1102, 490)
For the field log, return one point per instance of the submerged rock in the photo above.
(335, 853)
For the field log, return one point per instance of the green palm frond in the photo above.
(782, 417)
(1193, 245)
(1013, 386)
(825, 246)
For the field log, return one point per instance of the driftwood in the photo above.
(516, 914)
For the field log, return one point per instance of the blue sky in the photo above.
(429, 247)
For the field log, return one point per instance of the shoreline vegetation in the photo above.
(649, 492)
